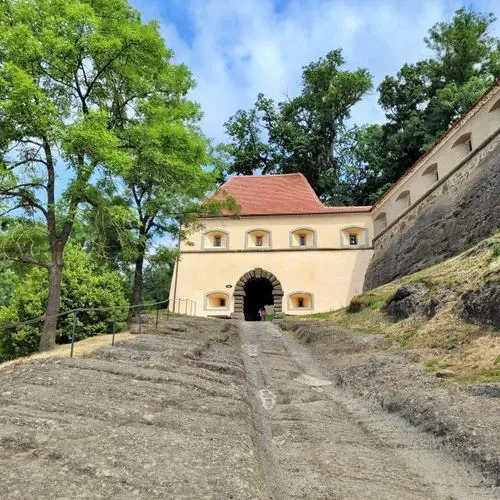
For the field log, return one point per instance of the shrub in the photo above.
(85, 285)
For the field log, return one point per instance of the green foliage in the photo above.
(301, 133)
(495, 250)
(84, 285)
(90, 82)
(423, 99)
(158, 275)
(356, 166)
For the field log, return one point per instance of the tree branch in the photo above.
(25, 260)
(106, 66)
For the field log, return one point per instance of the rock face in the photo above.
(481, 304)
(408, 300)
(355, 306)
(461, 211)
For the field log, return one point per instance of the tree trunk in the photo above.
(48, 339)
(138, 282)
(137, 290)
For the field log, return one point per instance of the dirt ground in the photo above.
(211, 409)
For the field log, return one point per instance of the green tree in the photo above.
(168, 181)
(76, 79)
(424, 99)
(300, 134)
(158, 275)
(85, 284)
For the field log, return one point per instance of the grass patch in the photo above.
(474, 349)
(85, 348)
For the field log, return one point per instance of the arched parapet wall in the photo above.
(239, 292)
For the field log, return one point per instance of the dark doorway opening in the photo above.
(258, 293)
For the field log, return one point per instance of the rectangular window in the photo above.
(300, 302)
(217, 241)
(437, 175)
(222, 302)
(302, 240)
(353, 239)
(468, 145)
(259, 240)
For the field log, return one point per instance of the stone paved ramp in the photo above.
(156, 417)
(317, 442)
(182, 416)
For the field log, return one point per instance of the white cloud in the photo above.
(238, 48)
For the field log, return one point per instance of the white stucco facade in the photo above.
(329, 269)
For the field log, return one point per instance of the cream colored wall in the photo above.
(481, 123)
(328, 230)
(332, 276)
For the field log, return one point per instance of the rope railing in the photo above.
(179, 306)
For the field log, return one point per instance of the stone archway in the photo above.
(239, 292)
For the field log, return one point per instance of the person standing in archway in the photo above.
(262, 313)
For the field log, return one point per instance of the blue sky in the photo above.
(237, 48)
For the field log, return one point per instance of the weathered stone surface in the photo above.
(355, 306)
(461, 211)
(481, 305)
(407, 301)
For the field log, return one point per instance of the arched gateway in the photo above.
(255, 289)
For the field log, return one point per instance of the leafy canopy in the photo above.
(301, 133)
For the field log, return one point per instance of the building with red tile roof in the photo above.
(287, 194)
(286, 251)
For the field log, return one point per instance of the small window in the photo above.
(300, 300)
(380, 222)
(303, 237)
(216, 301)
(353, 239)
(217, 241)
(403, 201)
(257, 239)
(430, 176)
(464, 143)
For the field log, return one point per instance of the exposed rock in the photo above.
(481, 305)
(407, 301)
(445, 373)
(488, 390)
(447, 222)
(432, 308)
(356, 306)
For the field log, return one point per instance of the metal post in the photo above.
(75, 315)
(157, 312)
(140, 319)
(168, 309)
(186, 308)
(114, 329)
(195, 309)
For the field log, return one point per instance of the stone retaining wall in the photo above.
(463, 208)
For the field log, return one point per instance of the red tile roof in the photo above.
(287, 194)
